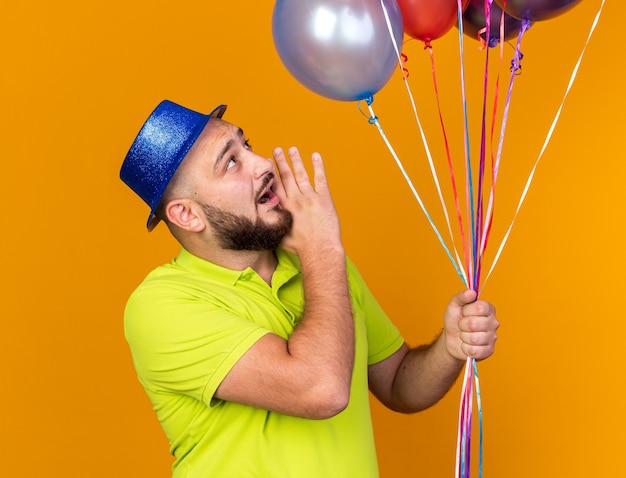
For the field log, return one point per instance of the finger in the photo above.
(319, 173)
(477, 352)
(478, 339)
(278, 187)
(463, 298)
(478, 345)
(480, 308)
(287, 179)
(483, 347)
(299, 171)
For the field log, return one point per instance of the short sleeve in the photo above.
(383, 337)
(183, 343)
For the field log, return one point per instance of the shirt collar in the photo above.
(287, 268)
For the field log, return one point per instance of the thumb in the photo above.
(463, 298)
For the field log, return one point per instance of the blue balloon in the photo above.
(340, 49)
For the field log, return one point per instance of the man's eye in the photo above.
(247, 144)
(231, 162)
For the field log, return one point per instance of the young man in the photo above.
(258, 344)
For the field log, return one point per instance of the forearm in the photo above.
(411, 380)
(424, 376)
(309, 374)
(324, 339)
(320, 352)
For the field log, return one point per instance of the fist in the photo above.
(470, 327)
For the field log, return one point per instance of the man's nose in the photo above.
(261, 166)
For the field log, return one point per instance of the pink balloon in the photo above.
(536, 10)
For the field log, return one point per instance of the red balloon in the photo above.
(427, 20)
(474, 23)
(536, 10)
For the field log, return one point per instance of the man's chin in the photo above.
(240, 233)
(283, 218)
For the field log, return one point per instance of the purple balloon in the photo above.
(536, 10)
(474, 20)
(340, 49)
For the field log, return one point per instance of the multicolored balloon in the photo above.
(340, 49)
(536, 10)
(475, 23)
(427, 20)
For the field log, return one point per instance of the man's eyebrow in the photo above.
(227, 146)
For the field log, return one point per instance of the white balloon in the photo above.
(340, 49)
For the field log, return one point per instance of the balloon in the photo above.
(428, 20)
(340, 49)
(474, 21)
(536, 10)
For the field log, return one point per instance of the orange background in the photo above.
(77, 80)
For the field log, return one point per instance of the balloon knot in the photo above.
(516, 63)
(370, 119)
(427, 45)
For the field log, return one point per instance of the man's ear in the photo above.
(185, 214)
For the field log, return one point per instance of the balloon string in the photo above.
(469, 407)
(494, 172)
(469, 191)
(481, 40)
(515, 71)
(449, 157)
(483, 152)
(461, 433)
(479, 407)
(373, 119)
(463, 456)
(548, 137)
(463, 460)
(401, 61)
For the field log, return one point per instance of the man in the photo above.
(257, 345)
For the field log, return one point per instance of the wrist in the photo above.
(451, 349)
(322, 254)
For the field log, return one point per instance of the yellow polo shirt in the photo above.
(190, 321)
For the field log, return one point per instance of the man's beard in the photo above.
(239, 233)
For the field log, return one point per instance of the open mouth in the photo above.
(267, 192)
(267, 196)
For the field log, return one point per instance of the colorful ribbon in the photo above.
(475, 236)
